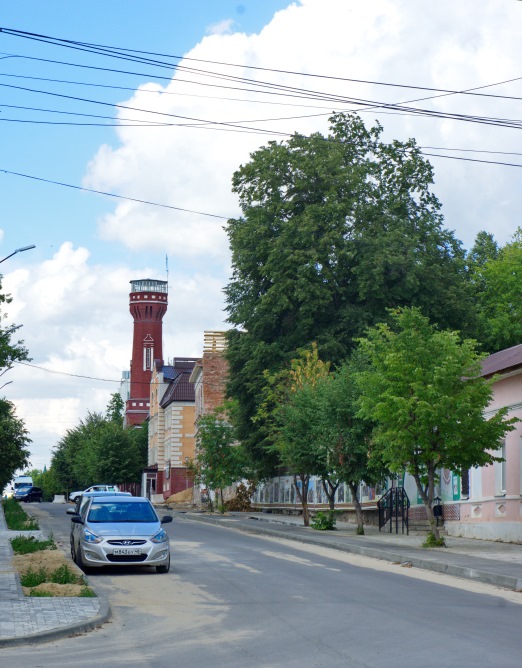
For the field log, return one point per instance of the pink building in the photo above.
(492, 509)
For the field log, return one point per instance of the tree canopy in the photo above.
(100, 449)
(14, 439)
(425, 393)
(218, 462)
(335, 230)
(497, 276)
(9, 351)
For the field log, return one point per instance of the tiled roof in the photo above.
(179, 388)
(503, 361)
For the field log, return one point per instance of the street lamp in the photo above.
(18, 250)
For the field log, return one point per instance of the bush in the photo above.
(29, 544)
(431, 541)
(241, 501)
(324, 521)
(33, 578)
(16, 518)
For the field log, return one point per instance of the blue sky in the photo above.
(71, 292)
(61, 153)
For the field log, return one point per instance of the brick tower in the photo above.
(148, 303)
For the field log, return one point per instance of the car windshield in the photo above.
(25, 489)
(100, 512)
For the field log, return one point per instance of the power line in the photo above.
(127, 53)
(107, 380)
(107, 194)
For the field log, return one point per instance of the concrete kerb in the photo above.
(455, 570)
(60, 630)
(64, 631)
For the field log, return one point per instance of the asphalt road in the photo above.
(233, 599)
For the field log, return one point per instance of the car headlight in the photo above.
(160, 537)
(90, 537)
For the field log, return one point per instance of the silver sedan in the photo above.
(119, 531)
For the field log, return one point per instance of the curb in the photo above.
(464, 572)
(61, 631)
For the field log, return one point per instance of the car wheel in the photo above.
(165, 568)
(79, 561)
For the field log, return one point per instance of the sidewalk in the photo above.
(494, 563)
(25, 620)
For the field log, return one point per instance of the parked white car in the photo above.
(94, 488)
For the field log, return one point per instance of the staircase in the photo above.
(393, 510)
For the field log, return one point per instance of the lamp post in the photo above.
(18, 250)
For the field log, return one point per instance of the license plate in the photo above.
(127, 550)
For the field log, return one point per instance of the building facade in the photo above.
(209, 378)
(490, 500)
(148, 301)
(171, 428)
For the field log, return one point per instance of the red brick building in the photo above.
(209, 378)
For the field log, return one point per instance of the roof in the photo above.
(504, 361)
(180, 388)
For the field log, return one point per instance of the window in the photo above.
(147, 358)
(501, 472)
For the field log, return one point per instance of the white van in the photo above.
(22, 481)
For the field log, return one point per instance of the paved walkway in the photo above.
(25, 620)
(491, 562)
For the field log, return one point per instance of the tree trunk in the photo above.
(354, 489)
(302, 495)
(329, 489)
(427, 494)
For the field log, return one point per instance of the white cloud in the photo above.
(222, 28)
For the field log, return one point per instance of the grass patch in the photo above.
(29, 544)
(87, 592)
(40, 594)
(34, 578)
(62, 575)
(431, 541)
(16, 518)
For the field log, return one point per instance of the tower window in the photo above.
(147, 358)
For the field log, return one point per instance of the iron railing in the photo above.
(393, 509)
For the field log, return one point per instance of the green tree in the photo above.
(14, 439)
(218, 462)
(335, 230)
(498, 277)
(349, 436)
(294, 411)
(115, 408)
(47, 481)
(425, 394)
(100, 449)
(9, 351)
(118, 456)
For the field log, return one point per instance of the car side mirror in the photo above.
(77, 519)
(166, 519)
(70, 511)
